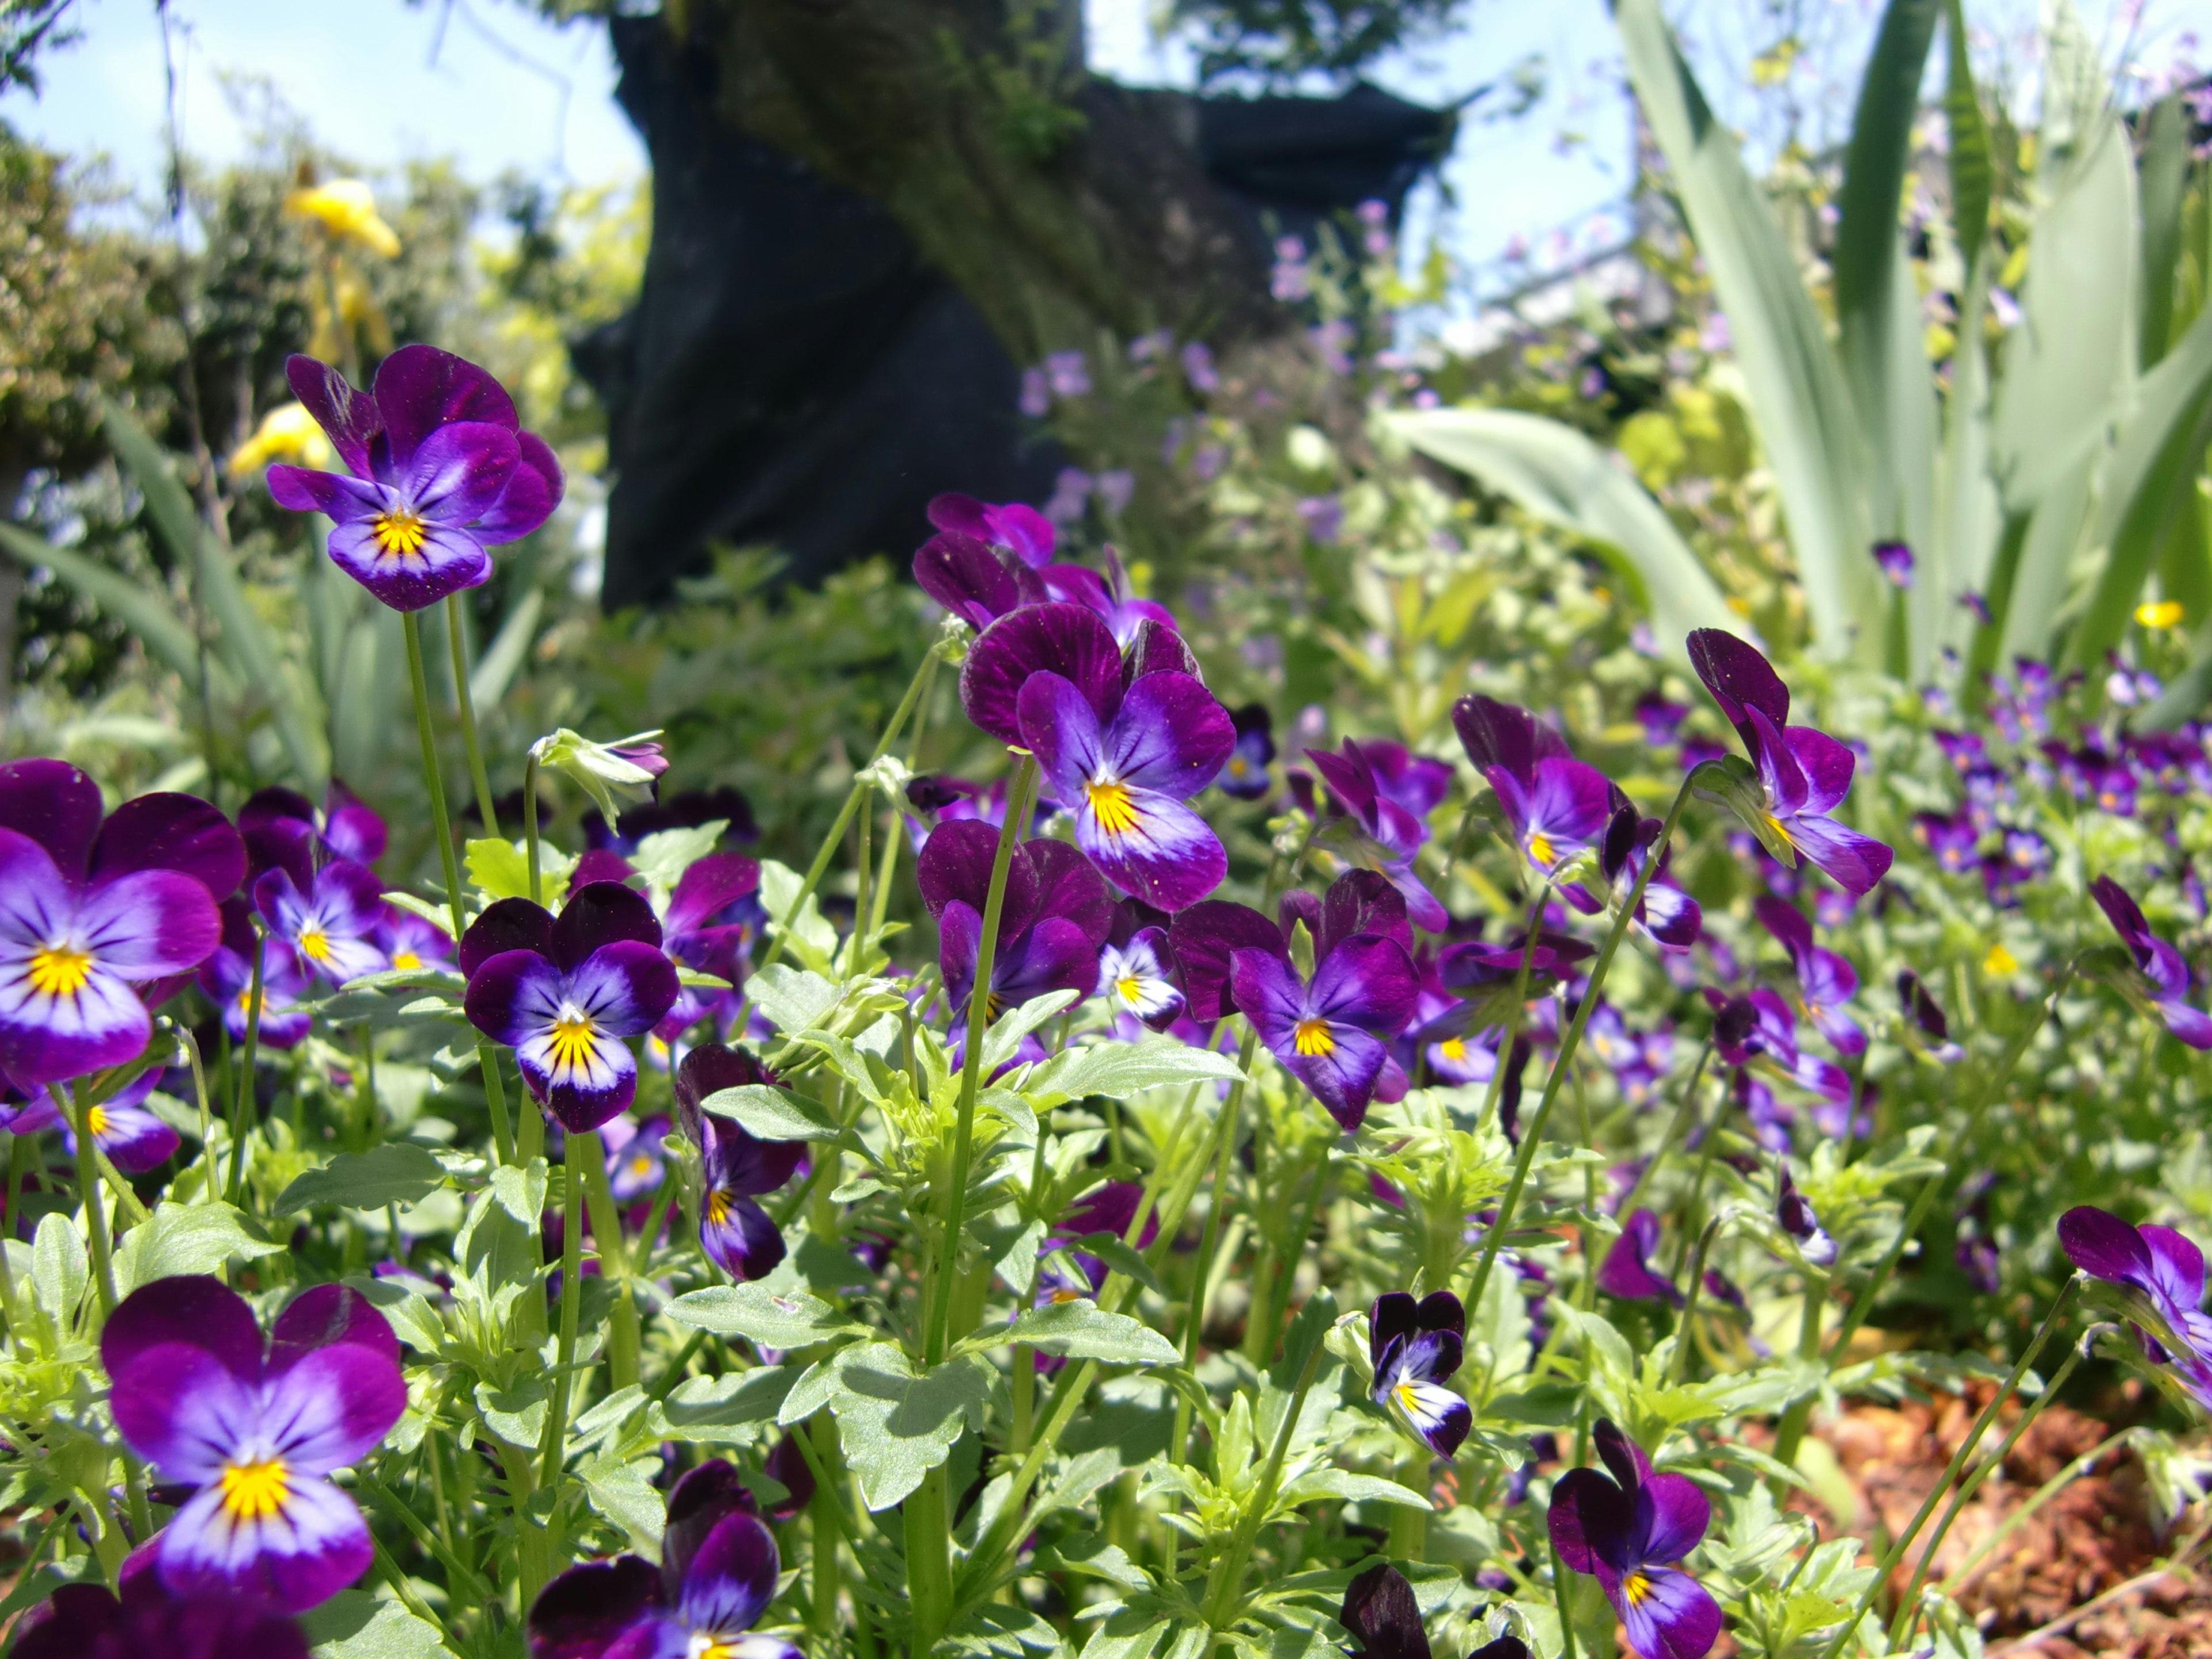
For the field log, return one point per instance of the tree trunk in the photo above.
(1059, 203)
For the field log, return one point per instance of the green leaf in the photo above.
(138, 608)
(59, 1269)
(1974, 166)
(1554, 472)
(812, 939)
(791, 996)
(1119, 1070)
(1328, 1482)
(1807, 420)
(763, 1318)
(355, 1625)
(700, 1408)
(501, 869)
(1081, 1330)
(896, 1424)
(397, 1172)
(516, 1415)
(621, 1492)
(772, 1114)
(186, 1238)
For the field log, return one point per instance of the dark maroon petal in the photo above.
(788, 1466)
(739, 1161)
(274, 803)
(1621, 1455)
(1362, 901)
(1787, 923)
(1395, 1314)
(1672, 1511)
(70, 1623)
(354, 830)
(973, 581)
(955, 863)
(57, 806)
(195, 1310)
(1104, 1209)
(1627, 1272)
(1064, 639)
(1589, 1520)
(329, 1313)
(1205, 936)
(598, 915)
(952, 510)
(1496, 734)
(348, 418)
(1440, 1310)
(1070, 887)
(1349, 779)
(600, 863)
(696, 1505)
(1379, 1608)
(1739, 677)
(171, 832)
(1826, 763)
(742, 1242)
(420, 388)
(1300, 906)
(1506, 1647)
(711, 1068)
(729, 1583)
(510, 923)
(1157, 648)
(1055, 955)
(2104, 1247)
(2125, 914)
(582, 1612)
(532, 492)
(708, 887)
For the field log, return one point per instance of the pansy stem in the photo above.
(583, 1147)
(940, 1283)
(1959, 1459)
(1532, 1134)
(1681, 1366)
(1676, 1128)
(927, 1515)
(1792, 1434)
(88, 1191)
(464, 706)
(1210, 1241)
(242, 1098)
(622, 1335)
(530, 825)
(1225, 1587)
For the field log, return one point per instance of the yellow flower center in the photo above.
(572, 1038)
(1453, 1048)
(1635, 1587)
(641, 1166)
(1404, 1395)
(1781, 829)
(315, 945)
(1313, 1038)
(718, 1206)
(1239, 767)
(60, 970)
(1539, 849)
(1063, 1294)
(1113, 807)
(98, 1116)
(400, 533)
(710, 1644)
(407, 959)
(256, 1491)
(1129, 989)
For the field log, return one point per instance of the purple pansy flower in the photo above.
(226, 979)
(1113, 597)
(712, 913)
(1126, 779)
(276, 822)
(634, 1162)
(717, 1574)
(1387, 831)
(1063, 638)
(1804, 774)
(1626, 1271)
(1556, 807)
(255, 1429)
(129, 1136)
(331, 920)
(409, 941)
(1331, 1032)
(1416, 1348)
(565, 993)
(1895, 559)
(1926, 1030)
(88, 1621)
(1825, 980)
(97, 920)
(734, 1230)
(1245, 774)
(1380, 1610)
(976, 582)
(1665, 914)
(1135, 976)
(1794, 1216)
(2161, 980)
(1021, 530)
(2165, 1270)
(1055, 915)
(1624, 1529)
(442, 471)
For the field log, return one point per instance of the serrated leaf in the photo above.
(186, 1238)
(772, 1114)
(1119, 1070)
(1329, 1481)
(701, 1407)
(1081, 1330)
(792, 999)
(763, 1317)
(896, 1424)
(355, 1625)
(397, 1172)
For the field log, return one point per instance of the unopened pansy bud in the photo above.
(626, 769)
(1794, 1216)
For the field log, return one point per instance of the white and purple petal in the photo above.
(1151, 846)
(313, 1544)
(449, 559)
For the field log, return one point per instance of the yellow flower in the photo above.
(2000, 963)
(287, 433)
(2159, 613)
(345, 208)
(1772, 67)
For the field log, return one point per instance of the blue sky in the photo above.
(384, 82)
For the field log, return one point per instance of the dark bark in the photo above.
(1060, 204)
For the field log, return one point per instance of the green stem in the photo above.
(530, 825)
(822, 1530)
(190, 1045)
(572, 1299)
(1903, 1541)
(622, 1334)
(1675, 1126)
(1791, 1435)
(2044, 1494)
(1533, 1135)
(1285, 1279)
(1689, 1300)
(465, 705)
(971, 1070)
(1563, 1595)
(88, 1191)
(242, 1098)
(1863, 1305)
(1908, 1610)
(441, 826)
(927, 1513)
(1226, 1585)
(1210, 1241)
(677, 1366)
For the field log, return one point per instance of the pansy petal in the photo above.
(1439, 1417)
(737, 1235)
(325, 1316)
(179, 1407)
(1368, 981)
(314, 1546)
(1171, 735)
(1779, 774)
(625, 987)
(1667, 1614)
(419, 389)
(1739, 677)
(1069, 887)
(581, 1611)
(1157, 848)
(1060, 726)
(334, 1405)
(461, 471)
(131, 1138)
(512, 995)
(1053, 956)
(49, 1038)
(533, 490)
(172, 832)
(1672, 1513)
(340, 499)
(582, 1087)
(1380, 1610)
(1589, 1519)
(195, 1310)
(1361, 902)
(1064, 639)
(2104, 1247)
(731, 1578)
(56, 805)
(708, 887)
(969, 578)
(1265, 989)
(603, 913)
(741, 1162)
(1853, 861)
(509, 924)
(348, 418)
(450, 560)
(151, 923)
(2191, 1025)
(1826, 763)
(1342, 1077)
(955, 863)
